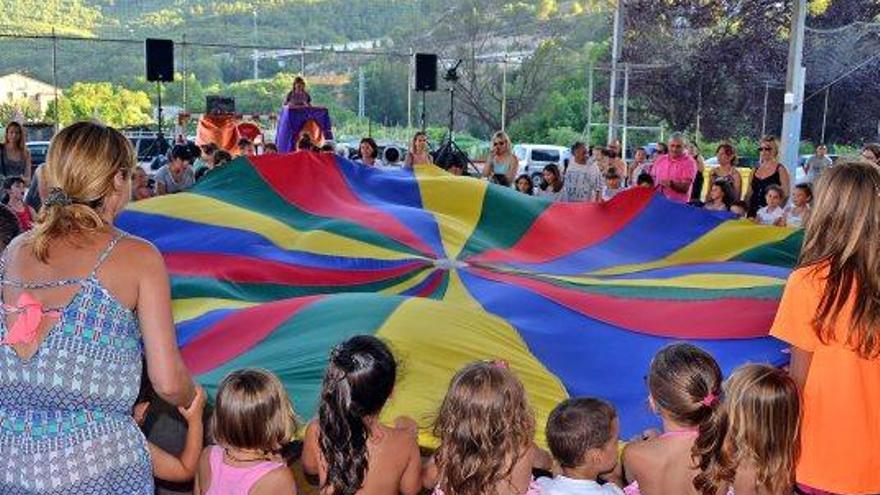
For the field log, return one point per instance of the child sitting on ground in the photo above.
(772, 213)
(253, 420)
(582, 434)
(685, 387)
(752, 445)
(486, 430)
(165, 465)
(347, 447)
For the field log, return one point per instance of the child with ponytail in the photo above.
(754, 445)
(347, 447)
(685, 388)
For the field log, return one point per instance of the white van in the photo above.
(534, 157)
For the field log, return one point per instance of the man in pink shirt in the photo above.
(674, 172)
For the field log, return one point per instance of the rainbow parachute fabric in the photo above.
(275, 260)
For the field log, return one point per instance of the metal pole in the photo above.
(409, 88)
(55, 76)
(183, 63)
(616, 48)
(503, 92)
(360, 92)
(625, 109)
(302, 58)
(256, 52)
(589, 103)
(764, 118)
(794, 84)
(699, 115)
(825, 115)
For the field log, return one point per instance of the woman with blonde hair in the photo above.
(15, 159)
(769, 172)
(502, 165)
(82, 303)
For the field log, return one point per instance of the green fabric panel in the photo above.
(187, 287)
(782, 253)
(505, 218)
(238, 183)
(297, 351)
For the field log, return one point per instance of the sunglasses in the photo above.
(498, 144)
(765, 148)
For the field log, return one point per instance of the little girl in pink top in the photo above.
(252, 421)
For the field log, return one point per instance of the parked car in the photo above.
(38, 150)
(534, 157)
(150, 150)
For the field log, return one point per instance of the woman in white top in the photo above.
(502, 165)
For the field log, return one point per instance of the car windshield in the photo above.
(520, 152)
(545, 155)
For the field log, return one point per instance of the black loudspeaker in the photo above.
(159, 55)
(218, 105)
(426, 72)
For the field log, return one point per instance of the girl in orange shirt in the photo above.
(830, 314)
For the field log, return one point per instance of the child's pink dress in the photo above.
(231, 480)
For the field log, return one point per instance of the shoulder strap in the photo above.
(104, 254)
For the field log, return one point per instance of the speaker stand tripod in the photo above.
(449, 152)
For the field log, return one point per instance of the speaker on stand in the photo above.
(159, 58)
(426, 77)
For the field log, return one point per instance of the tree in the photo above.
(111, 104)
(23, 109)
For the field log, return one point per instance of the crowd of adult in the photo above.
(88, 345)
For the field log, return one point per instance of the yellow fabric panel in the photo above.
(453, 335)
(407, 284)
(728, 240)
(187, 309)
(202, 209)
(457, 214)
(457, 294)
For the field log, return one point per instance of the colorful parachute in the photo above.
(274, 261)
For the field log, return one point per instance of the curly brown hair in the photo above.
(485, 424)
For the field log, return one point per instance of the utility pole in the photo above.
(183, 63)
(256, 52)
(503, 92)
(55, 76)
(764, 118)
(825, 115)
(360, 93)
(589, 103)
(616, 50)
(794, 90)
(302, 58)
(409, 88)
(625, 108)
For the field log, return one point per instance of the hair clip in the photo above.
(709, 400)
(57, 197)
